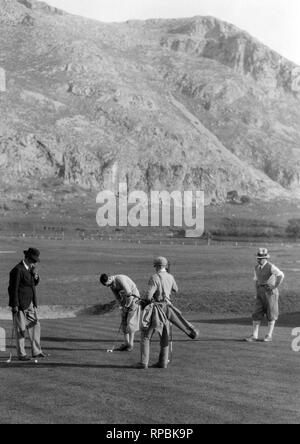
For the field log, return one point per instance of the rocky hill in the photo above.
(160, 104)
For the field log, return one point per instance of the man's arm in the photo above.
(116, 294)
(124, 284)
(255, 283)
(125, 295)
(14, 282)
(36, 279)
(152, 289)
(279, 276)
(175, 286)
(35, 275)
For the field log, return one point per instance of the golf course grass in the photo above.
(216, 379)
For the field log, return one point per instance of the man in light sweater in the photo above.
(128, 297)
(268, 279)
(159, 313)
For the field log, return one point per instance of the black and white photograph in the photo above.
(149, 214)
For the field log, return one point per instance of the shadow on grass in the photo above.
(153, 341)
(219, 340)
(76, 340)
(67, 349)
(75, 349)
(54, 365)
(175, 341)
(105, 341)
(285, 320)
(230, 321)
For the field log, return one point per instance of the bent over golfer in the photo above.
(159, 313)
(128, 297)
(268, 279)
(23, 302)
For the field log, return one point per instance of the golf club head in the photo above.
(10, 359)
(110, 351)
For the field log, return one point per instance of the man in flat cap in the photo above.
(23, 302)
(268, 279)
(128, 297)
(159, 313)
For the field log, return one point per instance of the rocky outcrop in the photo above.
(208, 37)
(162, 104)
(13, 13)
(40, 6)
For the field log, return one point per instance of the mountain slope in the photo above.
(174, 104)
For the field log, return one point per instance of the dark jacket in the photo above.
(21, 288)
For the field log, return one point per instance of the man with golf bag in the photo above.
(159, 313)
(128, 297)
(23, 302)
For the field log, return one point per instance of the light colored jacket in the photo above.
(161, 286)
(125, 291)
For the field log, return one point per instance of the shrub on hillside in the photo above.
(245, 200)
(293, 228)
(232, 196)
(242, 227)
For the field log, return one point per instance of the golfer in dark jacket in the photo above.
(23, 302)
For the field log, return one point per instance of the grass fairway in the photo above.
(217, 379)
(216, 279)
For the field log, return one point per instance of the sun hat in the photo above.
(263, 254)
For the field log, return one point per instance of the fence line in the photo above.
(167, 242)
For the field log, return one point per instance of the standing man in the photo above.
(128, 297)
(159, 313)
(23, 302)
(268, 279)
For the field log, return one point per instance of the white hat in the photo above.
(263, 254)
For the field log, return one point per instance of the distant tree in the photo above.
(293, 228)
(245, 200)
(232, 196)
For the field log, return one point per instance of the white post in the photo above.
(2, 340)
(2, 80)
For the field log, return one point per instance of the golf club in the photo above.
(11, 344)
(171, 343)
(111, 350)
(171, 327)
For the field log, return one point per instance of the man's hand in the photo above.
(144, 303)
(15, 310)
(270, 287)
